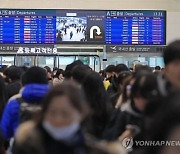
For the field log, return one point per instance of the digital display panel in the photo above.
(27, 26)
(136, 27)
(108, 27)
(71, 29)
(80, 26)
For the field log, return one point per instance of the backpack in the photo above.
(28, 111)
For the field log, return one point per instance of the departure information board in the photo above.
(27, 26)
(40, 26)
(136, 27)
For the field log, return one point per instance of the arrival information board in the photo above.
(135, 27)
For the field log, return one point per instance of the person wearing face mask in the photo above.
(59, 129)
(129, 122)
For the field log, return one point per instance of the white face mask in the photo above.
(63, 133)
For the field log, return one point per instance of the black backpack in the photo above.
(28, 111)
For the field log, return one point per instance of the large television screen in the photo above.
(136, 27)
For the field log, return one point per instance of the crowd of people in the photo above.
(80, 111)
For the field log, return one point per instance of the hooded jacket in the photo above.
(10, 119)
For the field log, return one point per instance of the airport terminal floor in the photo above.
(89, 77)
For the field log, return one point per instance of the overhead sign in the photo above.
(28, 49)
(37, 50)
(119, 48)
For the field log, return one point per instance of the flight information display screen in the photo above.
(136, 27)
(27, 26)
(40, 26)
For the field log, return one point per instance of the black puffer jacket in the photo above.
(127, 118)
